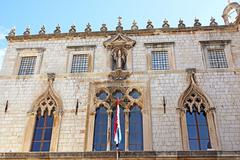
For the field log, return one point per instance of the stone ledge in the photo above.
(140, 32)
(158, 155)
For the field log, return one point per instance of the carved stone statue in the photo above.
(119, 60)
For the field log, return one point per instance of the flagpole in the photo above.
(117, 151)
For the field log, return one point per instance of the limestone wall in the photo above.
(220, 85)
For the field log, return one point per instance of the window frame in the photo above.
(161, 47)
(224, 45)
(160, 52)
(77, 50)
(141, 102)
(29, 52)
(87, 65)
(20, 70)
(209, 111)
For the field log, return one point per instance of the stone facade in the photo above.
(163, 129)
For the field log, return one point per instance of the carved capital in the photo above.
(51, 77)
(119, 74)
(109, 111)
(210, 109)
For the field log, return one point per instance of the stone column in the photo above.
(29, 131)
(126, 111)
(109, 129)
(55, 132)
(90, 133)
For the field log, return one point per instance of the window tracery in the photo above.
(198, 126)
(44, 117)
(130, 114)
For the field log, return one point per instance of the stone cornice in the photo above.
(160, 155)
(140, 32)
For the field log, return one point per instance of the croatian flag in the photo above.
(117, 128)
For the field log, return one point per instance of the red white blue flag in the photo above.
(117, 128)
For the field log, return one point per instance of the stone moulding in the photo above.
(126, 32)
(119, 74)
(119, 40)
(150, 155)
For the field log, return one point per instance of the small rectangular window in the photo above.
(217, 58)
(79, 63)
(27, 65)
(160, 60)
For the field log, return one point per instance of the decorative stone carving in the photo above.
(42, 30)
(119, 74)
(119, 45)
(72, 29)
(103, 28)
(134, 26)
(119, 41)
(197, 23)
(88, 28)
(213, 22)
(181, 24)
(165, 24)
(57, 30)
(228, 11)
(27, 31)
(49, 99)
(119, 28)
(12, 32)
(149, 24)
(51, 77)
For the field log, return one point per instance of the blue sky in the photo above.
(35, 13)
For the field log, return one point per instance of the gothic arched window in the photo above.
(100, 129)
(43, 131)
(197, 117)
(198, 134)
(43, 124)
(134, 119)
(135, 129)
(122, 124)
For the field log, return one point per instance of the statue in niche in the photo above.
(119, 60)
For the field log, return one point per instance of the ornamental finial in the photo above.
(213, 22)
(165, 24)
(103, 28)
(181, 24)
(27, 31)
(197, 23)
(149, 24)
(42, 30)
(119, 28)
(134, 26)
(88, 28)
(57, 30)
(72, 29)
(12, 32)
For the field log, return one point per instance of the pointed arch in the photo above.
(194, 104)
(198, 94)
(48, 106)
(49, 99)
